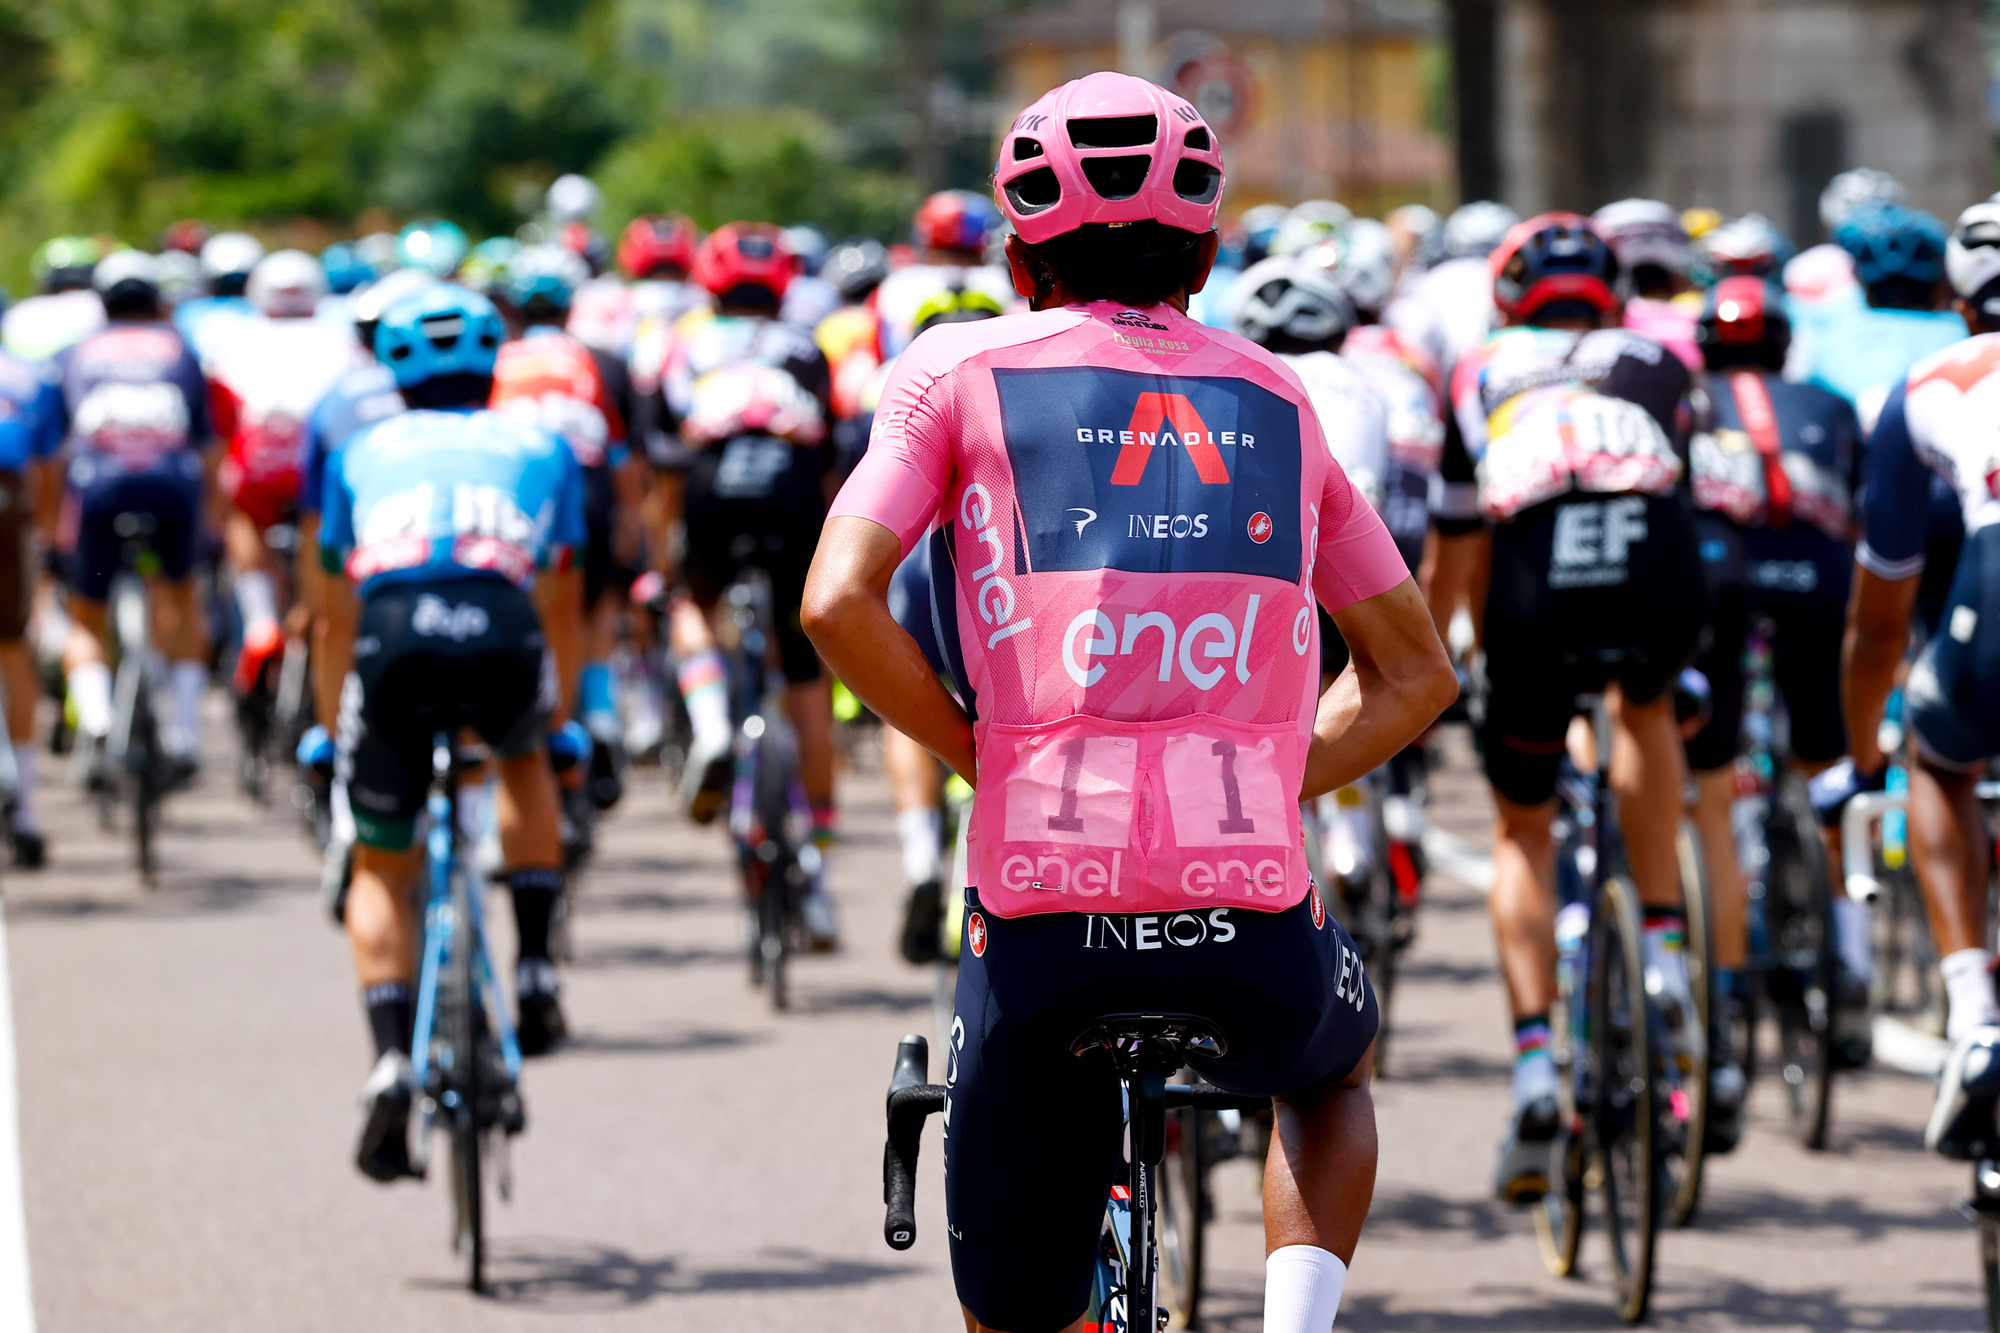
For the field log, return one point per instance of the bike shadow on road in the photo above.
(1585, 1305)
(565, 1275)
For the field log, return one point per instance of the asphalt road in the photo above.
(190, 1059)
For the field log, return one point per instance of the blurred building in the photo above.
(1310, 98)
(1739, 104)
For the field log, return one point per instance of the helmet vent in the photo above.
(1114, 132)
(1198, 140)
(1195, 181)
(1118, 177)
(1026, 148)
(1033, 191)
(443, 330)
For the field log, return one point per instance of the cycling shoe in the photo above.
(705, 779)
(1522, 1176)
(822, 927)
(1962, 1121)
(540, 1027)
(31, 849)
(384, 1153)
(922, 917)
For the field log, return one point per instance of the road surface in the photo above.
(190, 1059)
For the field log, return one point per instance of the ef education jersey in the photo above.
(135, 397)
(1541, 412)
(31, 416)
(454, 494)
(1942, 419)
(1132, 516)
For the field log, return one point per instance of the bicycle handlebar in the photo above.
(911, 1100)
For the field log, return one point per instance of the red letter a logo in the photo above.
(1151, 417)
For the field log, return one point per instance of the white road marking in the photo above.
(17, 1303)
(1458, 858)
(1900, 1046)
(1897, 1045)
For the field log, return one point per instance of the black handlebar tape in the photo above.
(906, 1129)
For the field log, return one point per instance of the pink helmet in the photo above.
(1108, 148)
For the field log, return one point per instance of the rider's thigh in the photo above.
(1956, 678)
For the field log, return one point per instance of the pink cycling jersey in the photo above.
(1135, 514)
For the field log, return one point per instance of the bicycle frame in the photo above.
(442, 936)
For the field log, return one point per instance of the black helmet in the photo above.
(856, 267)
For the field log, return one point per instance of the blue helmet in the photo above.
(345, 268)
(1891, 241)
(542, 280)
(438, 248)
(441, 330)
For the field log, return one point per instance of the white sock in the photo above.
(704, 681)
(90, 691)
(920, 828)
(1534, 1076)
(25, 816)
(1968, 990)
(474, 804)
(1302, 1286)
(256, 599)
(1852, 924)
(190, 684)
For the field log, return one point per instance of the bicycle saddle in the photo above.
(1169, 1035)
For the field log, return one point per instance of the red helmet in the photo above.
(1553, 257)
(744, 254)
(956, 220)
(657, 241)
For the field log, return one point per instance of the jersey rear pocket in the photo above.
(1084, 814)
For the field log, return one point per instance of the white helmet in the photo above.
(1287, 296)
(1362, 260)
(287, 284)
(1972, 255)
(230, 254)
(1646, 231)
(122, 271)
(180, 275)
(1308, 224)
(573, 198)
(370, 302)
(1474, 229)
(1851, 189)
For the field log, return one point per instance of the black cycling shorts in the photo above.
(1798, 577)
(167, 497)
(1587, 590)
(758, 502)
(1032, 1132)
(602, 569)
(429, 657)
(1955, 680)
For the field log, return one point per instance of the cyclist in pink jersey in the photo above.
(1132, 517)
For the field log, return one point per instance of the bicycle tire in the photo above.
(1692, 1125)
(1623, 1083)
(468, 1196)
(1800, 982)
(142, 780)
(1559, 1215)
(1183, 1190)
(1989, 1262)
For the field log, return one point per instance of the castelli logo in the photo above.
(975, 934)
(1319, 908)
(1260, 527)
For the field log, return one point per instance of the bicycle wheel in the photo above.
(143, 782)
(1559, 1216)
(1798, 907)
(1687, 1103)
(1622, 1080)
(1989, 1261)
(468, 1198)
(1183, 1187)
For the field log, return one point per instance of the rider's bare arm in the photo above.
(846, 614)
(1878, 631)
(558, 598)
(1396, 684)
